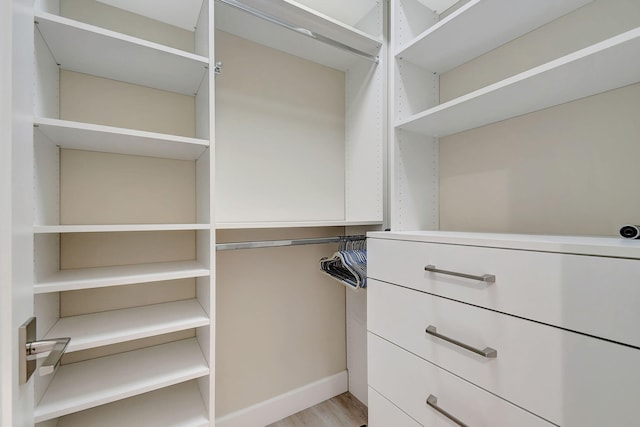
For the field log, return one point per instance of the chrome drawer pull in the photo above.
(489, 278)
(433, 402)
(488, 352)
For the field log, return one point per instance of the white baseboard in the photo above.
(279, 407)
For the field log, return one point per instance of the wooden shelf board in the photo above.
(607, 65)
(84, 385)
(111, 327)
(90, 137)
(98, 277)
(292, 224)
(242, 24)
(478, 27)
(93, 50)
(112, 228)
(176, 406)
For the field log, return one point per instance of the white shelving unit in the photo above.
(178, 405)
(355, 48)
(172, 381)
(301, 108)
(566, 79)
(98, 277)
(91, 137)
(110, 327)
(430, 46)
(92, 50)
(94, 382)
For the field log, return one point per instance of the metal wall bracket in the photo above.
(29, 348)
(218, 68)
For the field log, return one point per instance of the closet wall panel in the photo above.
(91, 99)
(280, 120)
(280, 321)
(102, 188)
(565, 170)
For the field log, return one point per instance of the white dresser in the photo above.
(503, 330)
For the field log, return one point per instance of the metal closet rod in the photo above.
(293, 242)
(299, 30)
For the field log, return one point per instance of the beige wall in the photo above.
(112, 18)
(104, 188)
(280, 322)
(570, 169)
(90, 99)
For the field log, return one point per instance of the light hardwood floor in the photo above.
(342, 411)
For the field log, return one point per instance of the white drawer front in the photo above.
(383, 413)
(407, 381)
(567, 378)
(593, 295)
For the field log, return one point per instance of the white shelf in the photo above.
(243, 24)
(607, 65)
(84, 385)
(99, 277)
(111, 327)
(176, 406)
(291, 224)
(107, 139)
(478, 27)
(93, 50)
(582, 245)
(112, 228)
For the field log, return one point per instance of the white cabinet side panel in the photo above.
(46, 81)
(47, 180)
(365, 127)
(357, 343)
(414, 182)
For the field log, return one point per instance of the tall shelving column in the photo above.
(300, 144)
(106, 377)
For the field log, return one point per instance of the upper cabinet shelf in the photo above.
(478, 27)
(293, 28)
(604, 66)
(107, 139)
(93, 50)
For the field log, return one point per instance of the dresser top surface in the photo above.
(581, 245)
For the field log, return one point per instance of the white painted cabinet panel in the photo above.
(554, 373)
(408, 381)
(565, 290)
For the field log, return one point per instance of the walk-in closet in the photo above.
(163, 129)
(226, 212)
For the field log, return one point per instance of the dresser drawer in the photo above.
(383, 413)
(407, 381)
(565, 377)
(594, 295)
